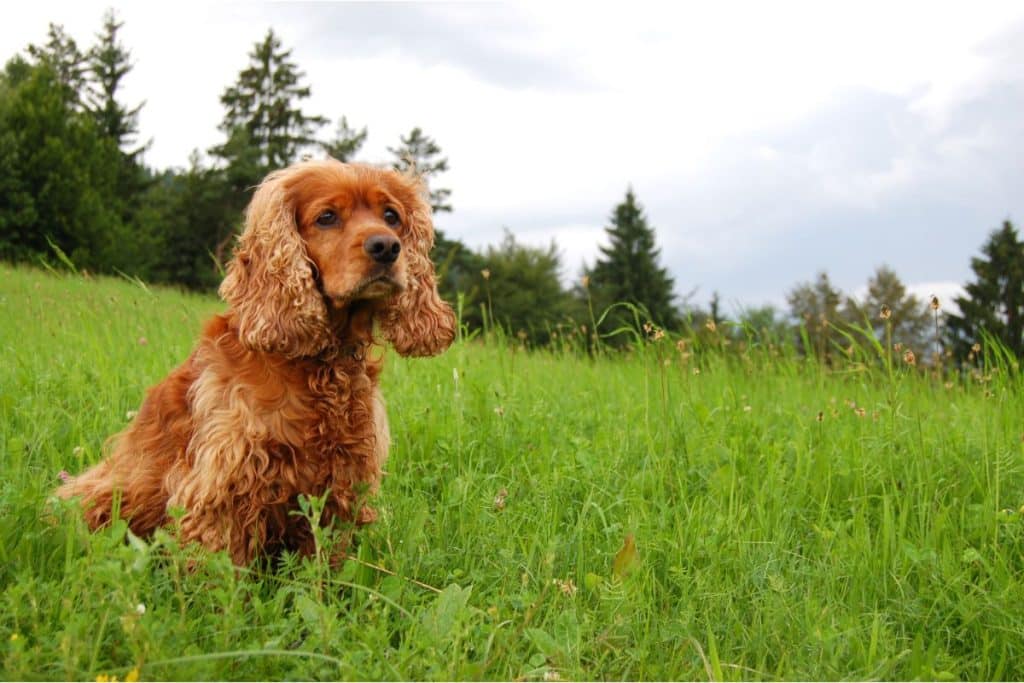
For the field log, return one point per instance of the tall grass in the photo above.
(791, 520)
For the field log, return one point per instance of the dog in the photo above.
(280, 397)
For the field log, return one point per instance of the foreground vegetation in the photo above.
(670, 513)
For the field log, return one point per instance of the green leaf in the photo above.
(308, 608)
(543, 641)
(443, 615)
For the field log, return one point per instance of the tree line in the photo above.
(75, 187)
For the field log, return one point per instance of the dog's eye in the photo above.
(391, 217)
(327, 219)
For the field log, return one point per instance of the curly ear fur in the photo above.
(417, 321)
(269, 282)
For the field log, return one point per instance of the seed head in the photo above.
(710, 324)
(976, 347)
(486, 274)
(585, 281)
(935, 303)
(909, 358)
(885, 313)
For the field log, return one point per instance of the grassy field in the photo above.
(789, 522)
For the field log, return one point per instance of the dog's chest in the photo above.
(336, 411)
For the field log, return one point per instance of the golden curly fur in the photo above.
(280, 397)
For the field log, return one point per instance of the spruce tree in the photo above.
(995, 300)
(346, 142)
(110, 62)
(420, 152)
(265, 127)
(628, 270)
(61, 55)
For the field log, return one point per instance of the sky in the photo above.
(765, 141)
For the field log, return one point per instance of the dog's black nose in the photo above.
(383, 248)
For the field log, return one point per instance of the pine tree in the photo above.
(420, 152)
(995, 300)
(346, 143)
(265, 127)
(910, 319)
(628, 270)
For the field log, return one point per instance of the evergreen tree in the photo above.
(58, 175)
(67, 63)
(420, 153)
(346, 142)
(196, 227)
(910, 319)
(520, 286)
(816, 306)
(458, 270)
(265, 127)
(628, 271)
(995, 300)
(110, 62)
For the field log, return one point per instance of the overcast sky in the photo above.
(766, 141)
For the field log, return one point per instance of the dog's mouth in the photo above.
(376, 286)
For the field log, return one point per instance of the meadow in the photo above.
(670, 513)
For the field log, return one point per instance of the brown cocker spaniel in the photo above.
(280, 397)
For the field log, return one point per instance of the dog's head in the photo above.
(324, 233)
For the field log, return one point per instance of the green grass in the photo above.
(770, 544)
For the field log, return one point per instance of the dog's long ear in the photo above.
(417, 321)
(269, 282)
